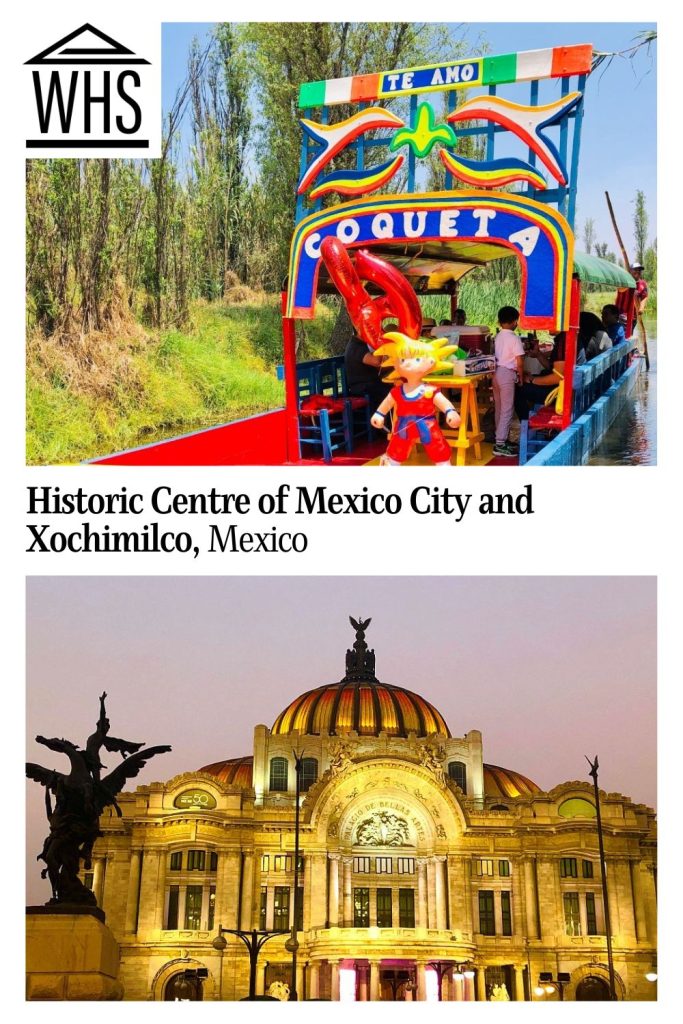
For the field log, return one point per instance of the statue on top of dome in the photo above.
(360, 662)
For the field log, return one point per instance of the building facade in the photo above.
(424, 872)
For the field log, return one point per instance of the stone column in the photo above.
(517, 897)
(247, 891)
(227, 889)
(624, 894)
(457, 987)
(638, 906)
(614, 901)
(182, 901)
(649, 891)
(334, 966)
(308, 871)
(313, 979)
(420, 968)
(530, 906)
(333, 895)
(421, 892)
(156, 902)
(519, 984)
(468, 989)
(440, 891)
(300, 979)
(256, 891)
(374, 981)
(148, 890)
(348, 900)
(315, 897)
(481, 984)
(261, 978)
(362, 983)
(99, 865)
(431, 893)
(133, 891)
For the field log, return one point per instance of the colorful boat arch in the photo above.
(538, 235)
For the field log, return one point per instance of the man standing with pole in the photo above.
(636, 266)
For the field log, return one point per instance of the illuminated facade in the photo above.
(423, 870)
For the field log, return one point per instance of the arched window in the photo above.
(278, 774)
(309, 772)
(457, 771)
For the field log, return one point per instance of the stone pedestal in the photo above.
(70, 954)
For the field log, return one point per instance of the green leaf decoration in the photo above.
(425, 134)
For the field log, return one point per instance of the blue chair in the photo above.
(328, 417)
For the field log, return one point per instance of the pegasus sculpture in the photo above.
(80, 797)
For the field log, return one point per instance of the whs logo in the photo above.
(92, 96)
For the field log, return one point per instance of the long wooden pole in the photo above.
(627, 266)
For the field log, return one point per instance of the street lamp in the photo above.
(547, 984)
(292, 944)
(253, 940)
(441, 969)
(603, 872)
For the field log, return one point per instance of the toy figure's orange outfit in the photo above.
(416, 421)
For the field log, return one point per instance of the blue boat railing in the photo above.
(592, 379)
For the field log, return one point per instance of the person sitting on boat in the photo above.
(428, 325)
(460, 318)
(413, 402)
(537, 386)
(509, 352)
(363, 376)
(611, 320)
(594, 338)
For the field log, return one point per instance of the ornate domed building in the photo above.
(423, 872)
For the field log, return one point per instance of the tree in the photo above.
(283, 55)
(640, 225)
(602, 250)
(650, 264)
(588, 234)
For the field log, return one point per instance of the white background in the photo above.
(590, 520)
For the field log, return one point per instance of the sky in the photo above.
(549, 669)
(619, 139)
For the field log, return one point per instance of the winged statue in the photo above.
(80, 796)
(359, 625)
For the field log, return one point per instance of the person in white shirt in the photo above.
(509, 352)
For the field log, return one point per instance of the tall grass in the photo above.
(481, 301)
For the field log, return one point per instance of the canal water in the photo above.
(632, 439)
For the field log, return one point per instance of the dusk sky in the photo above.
(619, 140)
(549, 669)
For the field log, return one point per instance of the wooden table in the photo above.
(469, 433)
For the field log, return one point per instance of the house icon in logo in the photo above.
(88, 93)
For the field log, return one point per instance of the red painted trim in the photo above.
(256, 441)
(291, 392)
(571, 60)
(365, 87)
(570, 351)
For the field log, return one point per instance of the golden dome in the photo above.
(360, 703)
(237, 771)
(504, 782)
(364, 706)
